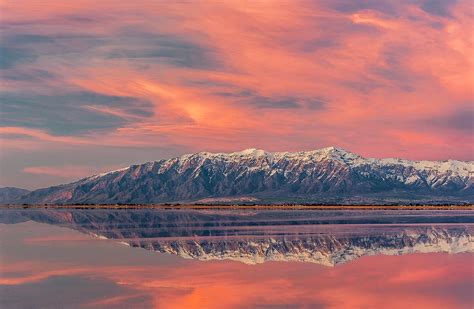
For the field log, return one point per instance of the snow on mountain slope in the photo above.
(314, 175)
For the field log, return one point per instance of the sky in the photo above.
(89, 86)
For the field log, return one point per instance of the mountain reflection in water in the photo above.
(323, 237)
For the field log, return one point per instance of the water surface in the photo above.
(235, 259)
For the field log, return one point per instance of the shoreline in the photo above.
(247, 207)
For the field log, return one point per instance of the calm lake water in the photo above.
(59, 258)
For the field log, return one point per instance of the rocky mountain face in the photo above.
(11, 194)
(327, 238)
(325, 175)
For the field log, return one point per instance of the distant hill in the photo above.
(11, 194)
(328, 175)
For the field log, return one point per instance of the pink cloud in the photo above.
(64, 171)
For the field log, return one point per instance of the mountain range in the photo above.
(328, 175)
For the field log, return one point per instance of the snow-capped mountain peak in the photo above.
(252, 152)
(338, 154)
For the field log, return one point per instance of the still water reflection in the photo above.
(236, 259)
